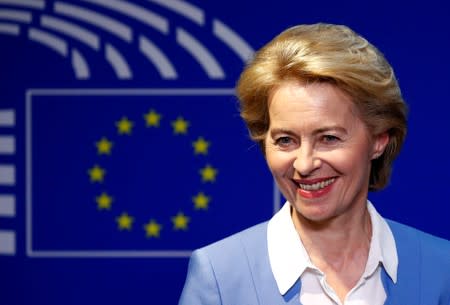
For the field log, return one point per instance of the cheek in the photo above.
(279, 163)
(349, 162)
(272, 163)
(341, 161)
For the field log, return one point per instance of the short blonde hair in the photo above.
(334, 54)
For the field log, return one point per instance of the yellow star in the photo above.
(152, 118)
(208, 173)
(97, 174)
(124, 126)
(201, 201)
(104, 201)
(180, 126)
(152, 229)
(125, 222)
(201, 146)
(180, 222)
(104, 146)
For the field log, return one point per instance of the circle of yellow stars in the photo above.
(152, 227)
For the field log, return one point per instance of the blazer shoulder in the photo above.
(228, 265)
(429, 245)
(426, 258)
(251, 238)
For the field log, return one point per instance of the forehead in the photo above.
(311, 104)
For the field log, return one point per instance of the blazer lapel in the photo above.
(254, 244)
(407, 288)
(292, 297)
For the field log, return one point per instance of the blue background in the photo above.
(414, 36)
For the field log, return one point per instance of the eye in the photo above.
(330, 139)
(283, 141)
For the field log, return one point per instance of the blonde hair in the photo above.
(337, 55)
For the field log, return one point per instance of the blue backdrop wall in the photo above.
(122, 150)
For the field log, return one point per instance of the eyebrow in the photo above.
(280, 130)
(330, 128)
(316, 131)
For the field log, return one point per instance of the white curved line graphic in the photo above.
(233, 40)
(9, 29)
(137, 12)
(37, 4)
(118, 62)
(183, 8)
(16, 15)
(79, 65)
(72, 30)
(158, 58)
(201, 54)
(106, 23)
(49, 40)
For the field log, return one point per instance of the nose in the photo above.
(306, 161)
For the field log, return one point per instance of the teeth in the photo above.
(316, 186)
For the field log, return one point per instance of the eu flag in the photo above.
(142, 172)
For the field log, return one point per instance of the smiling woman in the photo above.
(322, 164)
(326, 109)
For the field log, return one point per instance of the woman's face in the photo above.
(319, 151)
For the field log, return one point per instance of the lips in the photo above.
(314, 188)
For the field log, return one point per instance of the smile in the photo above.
(316, 186)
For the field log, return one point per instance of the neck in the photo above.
(336, 240)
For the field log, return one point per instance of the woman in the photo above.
(326, 109)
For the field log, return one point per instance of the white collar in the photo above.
(289, 259)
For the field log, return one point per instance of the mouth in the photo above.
(314, 188)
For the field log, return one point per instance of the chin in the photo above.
(317, 214)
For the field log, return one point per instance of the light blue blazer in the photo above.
(236, 271)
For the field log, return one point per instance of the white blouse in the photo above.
(289, 261)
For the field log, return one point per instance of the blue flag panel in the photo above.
(139, 170)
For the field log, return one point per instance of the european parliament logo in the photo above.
(123, 37)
